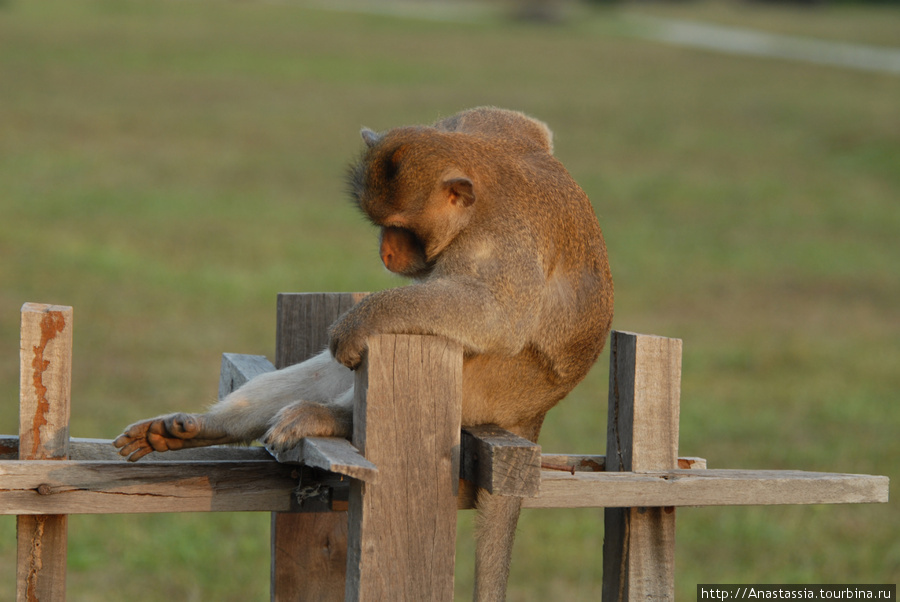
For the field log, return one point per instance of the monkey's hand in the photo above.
(348, 340)
(165, 433)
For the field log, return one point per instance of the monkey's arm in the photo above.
(460, 309)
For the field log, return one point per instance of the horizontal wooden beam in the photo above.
(73, 487)
(705, 488)
(328, 453)
(103, 449)
(594, 463)
(98, 450)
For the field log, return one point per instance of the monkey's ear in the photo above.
(370, 137)
(460, 191)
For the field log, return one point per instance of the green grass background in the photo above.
(167, 167)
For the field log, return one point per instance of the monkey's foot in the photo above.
(307, 419)
(166, 433)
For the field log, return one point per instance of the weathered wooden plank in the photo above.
(309, 550)
(566, 463)
(303, 321)
(644, 392)
(500, 462)
(402, 536)
(90, 487)
(50, 487)
(238, 368)
(89, 449)
(330, 453)
(102, 449)
(318, 541)
(45, 381)
(593, 463)
(642, 435)
(716, 487)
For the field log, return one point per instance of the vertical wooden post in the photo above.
(642, 435)
(406, 421)
(45, 382)
(309, 550)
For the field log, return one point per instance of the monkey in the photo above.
(505, 256)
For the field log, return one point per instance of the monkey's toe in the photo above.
(132, 449)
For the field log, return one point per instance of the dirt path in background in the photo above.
(693, 34)
(751, 42)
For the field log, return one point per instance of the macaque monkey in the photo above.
(506, 257)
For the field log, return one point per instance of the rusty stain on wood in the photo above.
(550, 466)
(591, 465)
(52, 324)
(7, 448)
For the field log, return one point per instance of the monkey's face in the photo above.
(403, 253)
(406, 181)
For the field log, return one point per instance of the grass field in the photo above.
(167, 167)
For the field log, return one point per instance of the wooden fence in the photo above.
(377, 519)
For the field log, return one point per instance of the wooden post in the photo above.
(309, 550)
(407, 416)
(45, 374)
(642, 435)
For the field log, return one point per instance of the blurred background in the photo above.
(167, 167)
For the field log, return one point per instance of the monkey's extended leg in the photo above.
(495, 529)
(247, 413)
(310, 419)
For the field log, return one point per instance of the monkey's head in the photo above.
(408, 183)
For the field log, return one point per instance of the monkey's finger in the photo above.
(139, 454)
(162, 443)
(124, 444)
(122, 440)
(156, 427)
(135, 431)
(128, 450)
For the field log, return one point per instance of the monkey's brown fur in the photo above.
(517, 264)
(507, 258)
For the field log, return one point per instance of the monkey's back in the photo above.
(544, 232)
